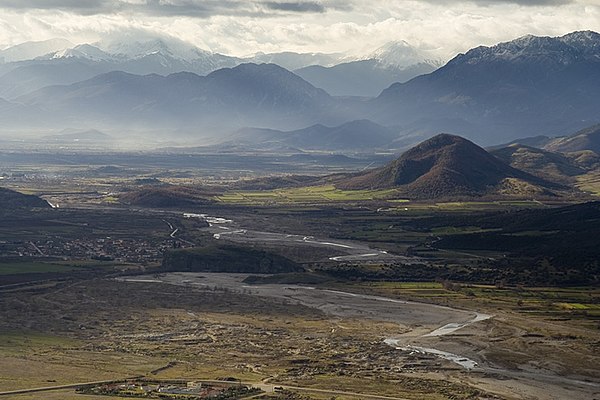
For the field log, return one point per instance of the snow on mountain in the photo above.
(145, 56)
(31, 50)
(499, 93)
(139, 48)
(400, 54)
(85, 51)
(370, 75)
(571, 48)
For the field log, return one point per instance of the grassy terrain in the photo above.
(330, 194)
(581, 305)
(56, 366)
(311, 194)
(135, 328)
(589, 183)
(110, 330)
(425, 208)
(34, 359)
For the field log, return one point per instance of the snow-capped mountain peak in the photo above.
(564, 50)
(85, 51)
(589, 40)
(139, 48)
(401, 54)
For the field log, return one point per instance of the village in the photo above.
(190, 390)
(134, 250)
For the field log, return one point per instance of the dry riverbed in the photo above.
(431, 334)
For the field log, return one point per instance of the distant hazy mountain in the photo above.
(159, 55)
(360, 78)
(34, 65)
(59, 62)
(447, 166)
(34, 75)
(82, 52)
(76, 63)
(293, 61)
(400, 54)
(31, 50)
(360, 135)
(87, 136)
(394, 62)
(492, 94)
(133, 48)
(16, 115)
(499, 93)
(249, 94)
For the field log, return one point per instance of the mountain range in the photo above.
(394, 62)
(532, 85)
(71, 136)
(514, 89)
(246, 95)
(33, 65)
(359, 135)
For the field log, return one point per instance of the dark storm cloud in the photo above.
(153, 7)
(492, 2)
(296, 6)
(531, 2)
(87, 7)
(192, 8)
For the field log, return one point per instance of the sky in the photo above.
(242, 27)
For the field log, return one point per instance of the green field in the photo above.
(573, 303)
(589, 183)
(311, 194)
(328, 193)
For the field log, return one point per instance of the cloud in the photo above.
(526, 2)
(91, 6)
(108, 7)
(296, 6)
(187, 8)
(440, 28)
(532, 3)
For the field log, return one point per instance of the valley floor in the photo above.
(211, 326)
